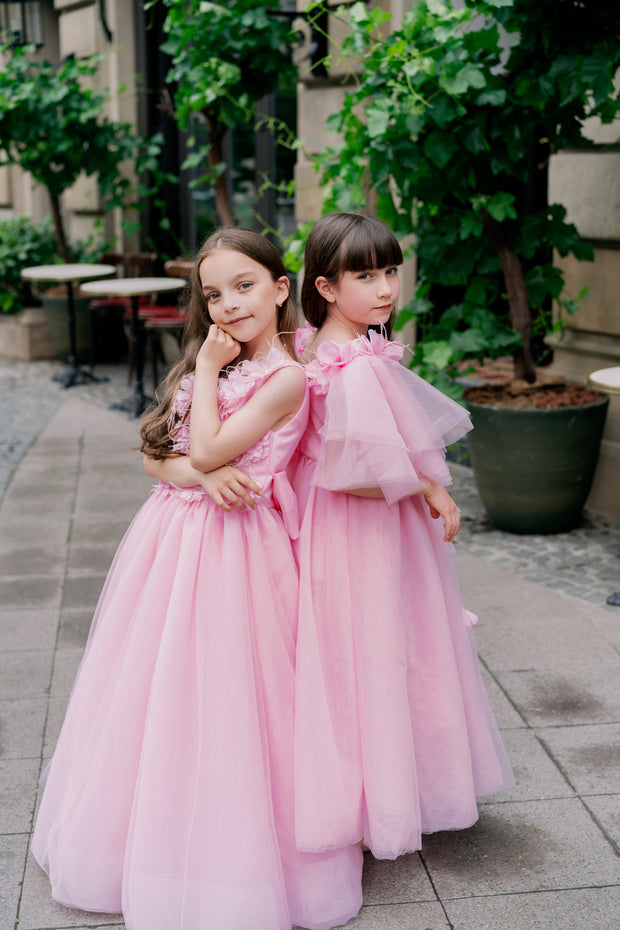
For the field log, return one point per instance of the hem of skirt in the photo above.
(89, 908)
(336, 921)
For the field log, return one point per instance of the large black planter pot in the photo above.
(534, 467)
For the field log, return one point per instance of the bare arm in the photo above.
(439, 503)
(214, 442)
(227, 486)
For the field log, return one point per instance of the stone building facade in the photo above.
(587, 183)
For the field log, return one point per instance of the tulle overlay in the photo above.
(170, 793)
(389, 693)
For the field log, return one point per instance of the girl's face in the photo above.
(361, 299)
(242, 298)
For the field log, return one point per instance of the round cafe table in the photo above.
(606, 380)
(134, 288)
(68, 274)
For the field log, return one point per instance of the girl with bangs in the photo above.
(394, 736)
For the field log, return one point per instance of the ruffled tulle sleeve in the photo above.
(384, 426)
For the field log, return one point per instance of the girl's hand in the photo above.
(229, 487)
(441, 504)
(218, 350)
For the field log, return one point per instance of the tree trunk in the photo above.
(61, 239)
(517, 298)
(217, 133)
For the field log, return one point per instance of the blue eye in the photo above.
(246, 285)
(392, 271)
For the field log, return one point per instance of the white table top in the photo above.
(78, 271)
(133, 287)
(606, 379)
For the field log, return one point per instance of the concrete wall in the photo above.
(587, 183)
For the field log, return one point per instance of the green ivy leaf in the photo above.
(439, 148)
(378, 119)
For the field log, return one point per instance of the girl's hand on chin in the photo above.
(218, 349)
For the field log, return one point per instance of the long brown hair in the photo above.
(155, 428)
(343, 242)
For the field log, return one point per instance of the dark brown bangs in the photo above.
(370, 244)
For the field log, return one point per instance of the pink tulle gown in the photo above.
(389, 696)
(170, 793)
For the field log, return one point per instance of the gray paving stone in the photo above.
(401, 881)
(536, 775)
(564, 697)
(606, 809)
(82, 590)
(25, 674)
(522, 848)
(16, 531)
(588, 755)
(40, 591)
(587, 909)
(122, 497)
(88, 531)
(22, 724)
(12, 856)
(36, 477)
(565, 642)
(75, 624)
(96, 559)
(27, 629)
(608, 625)
(400, 917)
(66, 664)
(523, 625)
(506, 716)
(32, 560)
(57, 709)
(30, 506)
(55, 449)
(18, 789)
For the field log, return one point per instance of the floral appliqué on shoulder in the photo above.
(333, 355)
(232, 391)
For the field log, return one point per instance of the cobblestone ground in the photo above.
(584, 562)
(29, 398)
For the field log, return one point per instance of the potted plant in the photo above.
(23, 330)
(53, 124)
(23, 242)
(447, 135)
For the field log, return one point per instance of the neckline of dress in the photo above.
(259, 362)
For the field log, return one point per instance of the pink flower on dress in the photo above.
(331, 355)
(377, 344)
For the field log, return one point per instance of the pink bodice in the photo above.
(267, 460)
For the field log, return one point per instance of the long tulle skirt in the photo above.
(389, 692)
(170, 793)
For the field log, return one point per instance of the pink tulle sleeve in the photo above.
(385, 427)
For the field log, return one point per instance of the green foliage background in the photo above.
(453, 115)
